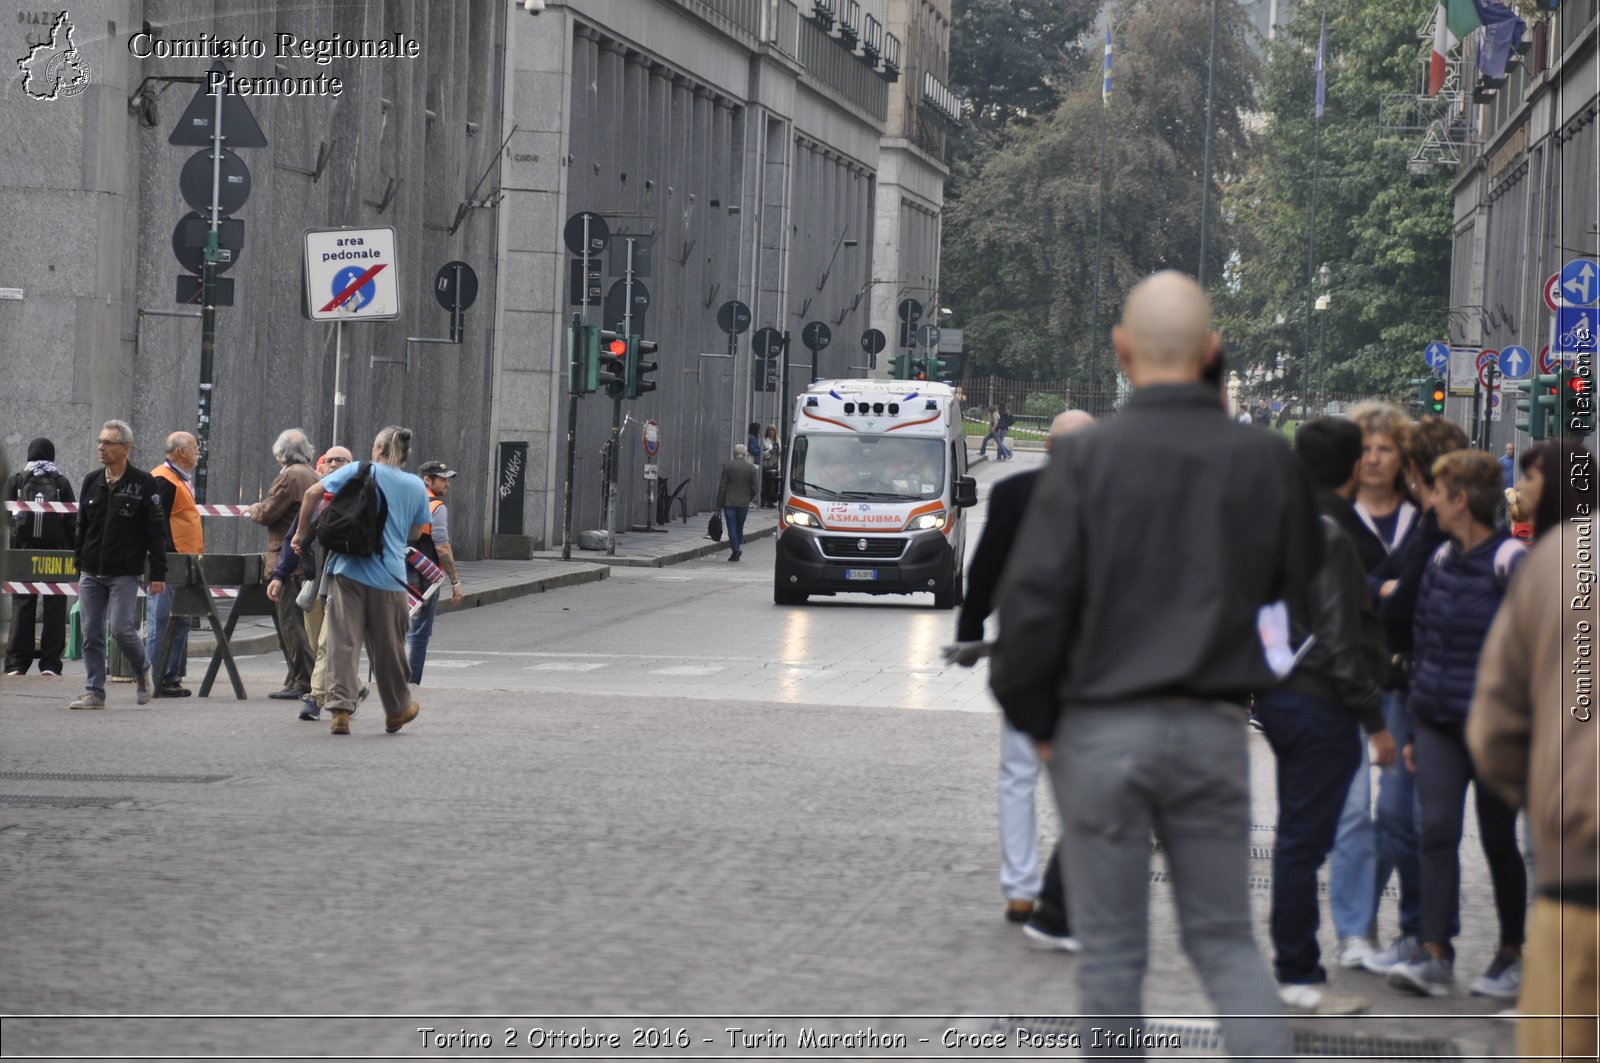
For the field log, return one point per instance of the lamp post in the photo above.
(1324, 281)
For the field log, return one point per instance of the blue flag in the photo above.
(1105, 87)
(1322, 73)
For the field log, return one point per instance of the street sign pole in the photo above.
(208, 306)
(338, 381)
(616, 410)
(572, 404)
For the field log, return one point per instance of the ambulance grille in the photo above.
(851, 546)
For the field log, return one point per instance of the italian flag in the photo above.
(1452, 21)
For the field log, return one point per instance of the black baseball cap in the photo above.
(437, 468)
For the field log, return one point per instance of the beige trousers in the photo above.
(318, 631)
(356, 610)
(1558, 978)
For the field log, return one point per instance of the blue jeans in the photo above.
(157, 610)
(418, 634)
(1178, 769)
(98, 598)
(1318, 745)
(1000, 444)
(733, 520)
(1395, 826)
(1353, 863)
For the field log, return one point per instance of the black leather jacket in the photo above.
(1346, 663)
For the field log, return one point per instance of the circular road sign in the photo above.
(233, 183)
(733, 317)
(617, 298)
(599, 233)
(1486, 371)
(873, 341)
(928, 336)
(1515, 362)
(767, 342)
(230, 237)
(910, 311)
(1552, 292)
(1487, 355)
(816, 335)
(364, 294)
(444, 285)
(1580, 282)
(1437, 355)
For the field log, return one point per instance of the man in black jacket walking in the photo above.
(39, 481)
(120, 525)
(1128, 646)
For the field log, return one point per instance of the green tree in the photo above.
(1019, 242)
(1384, 232)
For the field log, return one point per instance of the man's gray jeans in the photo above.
(118, 597)
(1177, 770)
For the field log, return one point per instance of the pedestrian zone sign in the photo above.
(351, 275)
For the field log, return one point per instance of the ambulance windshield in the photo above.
(867, 468)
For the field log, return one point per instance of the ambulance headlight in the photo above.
(927, 522)
(800, 518)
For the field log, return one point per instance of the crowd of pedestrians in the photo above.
(331, 600)
(1358, 595)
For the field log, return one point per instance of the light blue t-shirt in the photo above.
(407, 497)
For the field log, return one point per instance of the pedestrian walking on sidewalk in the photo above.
(738, 487)
(435, 543)
(1128, 650)
(175, 484)
(367, 599)
(39, 481)
(1034, 898)
(293, 453)
(120, 528)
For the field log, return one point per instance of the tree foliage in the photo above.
(1009, 58)
(1384, 233)
(1020, 226)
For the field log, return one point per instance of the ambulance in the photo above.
(874, 490)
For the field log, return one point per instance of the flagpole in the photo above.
(1100, 220)
(1306, 375)
(1211, 104)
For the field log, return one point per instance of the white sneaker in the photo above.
(1353, 952)
(1318, 1001)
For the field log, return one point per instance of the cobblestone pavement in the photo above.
(658, 794)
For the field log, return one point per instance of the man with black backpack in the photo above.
(377, 509)
(39, 481)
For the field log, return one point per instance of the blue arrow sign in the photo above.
(1575, 330)
(1437, 355)
(1580, 282)
(1515, 362)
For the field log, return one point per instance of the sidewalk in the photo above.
(489, 582)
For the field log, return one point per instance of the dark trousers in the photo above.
(1444, 768)
(733, 518)
(1318, 746)
(52, 636)
(298, 652)
(1050, 909)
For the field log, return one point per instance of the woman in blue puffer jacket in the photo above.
(1461, 591)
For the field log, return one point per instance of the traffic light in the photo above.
(1433, 399)
(900, 367)
(611, 362)
(638, 369)
(583, 357)
(1577, 400)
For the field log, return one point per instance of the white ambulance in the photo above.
(874, 488)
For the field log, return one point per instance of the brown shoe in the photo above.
(397, 722)
(341, 722)
(1018, 910)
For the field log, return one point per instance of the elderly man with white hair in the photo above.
(294, 454)
(739, 486)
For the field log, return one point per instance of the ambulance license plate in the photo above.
(860, 573)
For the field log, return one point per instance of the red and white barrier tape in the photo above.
(70, 590)
(206, 509)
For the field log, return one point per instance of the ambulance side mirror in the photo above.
(966, 492)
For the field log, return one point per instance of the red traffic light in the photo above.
(618, 347)
(1578, 384)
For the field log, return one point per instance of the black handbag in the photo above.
(714, 528)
